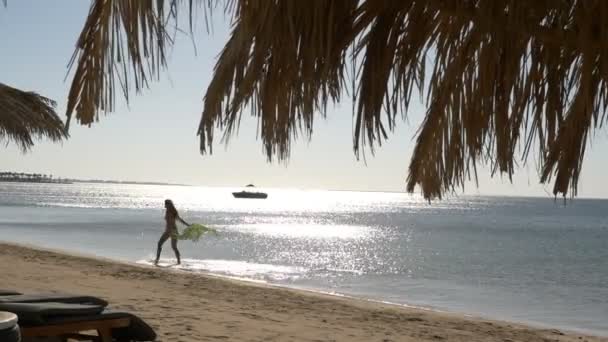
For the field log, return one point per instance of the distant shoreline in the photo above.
(72, 181)
(125, 182)
(34, 181)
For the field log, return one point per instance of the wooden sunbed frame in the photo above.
(74, 330)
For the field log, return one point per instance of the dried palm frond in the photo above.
(27, 115)
(498, 76)
(501, 78)
(285, 76)
(122, 46)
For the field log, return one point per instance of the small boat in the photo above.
(247, 194)
(250, 194)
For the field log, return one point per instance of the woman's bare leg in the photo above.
(174, 246)
(159, 248)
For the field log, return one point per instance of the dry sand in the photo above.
(184, 306)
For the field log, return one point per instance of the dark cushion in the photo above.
(53, 297)
(41, 313)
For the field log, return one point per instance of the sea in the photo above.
(532, 260)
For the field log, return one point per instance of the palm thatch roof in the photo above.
(500, 78)
(25, 116)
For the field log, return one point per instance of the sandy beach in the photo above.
(191, 307)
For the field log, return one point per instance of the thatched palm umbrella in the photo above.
(25, 116)
(499, 77)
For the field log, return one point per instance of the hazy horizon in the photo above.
(449, 195)
(153, 139)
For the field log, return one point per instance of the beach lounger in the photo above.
(42, 313)
(109, 326)
(74, 320)
(52, 297)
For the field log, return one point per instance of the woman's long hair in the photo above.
(170, 207)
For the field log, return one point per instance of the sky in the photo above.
(153, 138)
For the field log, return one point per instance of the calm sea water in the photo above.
(530, 260)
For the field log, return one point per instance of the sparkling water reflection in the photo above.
(516, 258)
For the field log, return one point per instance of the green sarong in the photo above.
(195, 231)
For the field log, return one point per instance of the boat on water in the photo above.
(250, 194)
(247, 194)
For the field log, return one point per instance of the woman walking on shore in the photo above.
(171, 216)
